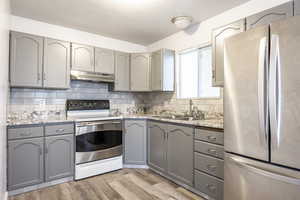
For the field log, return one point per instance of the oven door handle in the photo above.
(98, 123)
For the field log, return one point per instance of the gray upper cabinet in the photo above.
(218, 37)
(268, 16)
(180, 153)
(157, 151)
(82, 58)
(163, 70)
(59, 156)
(140, 72)
(122, 71)
(56, 64)
(135, 142)
(25, 162)
(104, 61)
(26, 60)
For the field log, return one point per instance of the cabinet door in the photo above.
(25, 162)
(122, 71)
(135, 142)
(104, 61)
(218, 37)
(26, 60)
(56, 64)
(140, 72)
(296, 7)
(82, 58)
(156, 71)
(59, 156)
(157, 157)
(268, 16)
(180, 153)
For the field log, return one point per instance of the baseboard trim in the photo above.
(136, 166)
(39, 186)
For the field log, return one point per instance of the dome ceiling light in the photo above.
(182, 22)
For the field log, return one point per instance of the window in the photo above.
(195, 75)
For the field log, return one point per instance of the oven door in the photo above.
(98, 140)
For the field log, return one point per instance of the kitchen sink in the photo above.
(175, 117)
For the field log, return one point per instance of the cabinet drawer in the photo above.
(210, 165)
(25, 132)
(209, 185)
(58, 129)
(209, 136)
(209, 149)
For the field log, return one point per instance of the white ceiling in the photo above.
(138, 21)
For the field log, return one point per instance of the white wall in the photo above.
(202, 33)
(4, 38)
(59, 32)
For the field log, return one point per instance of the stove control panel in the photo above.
(75, 104)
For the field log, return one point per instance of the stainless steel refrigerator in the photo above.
(262, 113)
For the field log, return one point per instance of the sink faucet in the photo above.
(191, 107)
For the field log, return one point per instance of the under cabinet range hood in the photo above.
(92, 76)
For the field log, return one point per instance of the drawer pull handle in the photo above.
(211, 188)
(212, 151)
(211, 167)
(60, 130)
(211, 138)
(25, 134)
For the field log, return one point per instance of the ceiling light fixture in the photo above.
(182, 22)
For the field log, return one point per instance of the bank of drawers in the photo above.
(208, 162)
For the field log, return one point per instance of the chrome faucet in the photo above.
(191, 107)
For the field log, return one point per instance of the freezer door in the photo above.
(247, 179)
(285, 92)
(245, 93)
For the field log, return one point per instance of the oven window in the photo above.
(98, 140)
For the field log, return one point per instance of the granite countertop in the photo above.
(209, 123)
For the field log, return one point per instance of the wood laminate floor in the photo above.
(125, 184)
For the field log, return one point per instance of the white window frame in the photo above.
(178, 77)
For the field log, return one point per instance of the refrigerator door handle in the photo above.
(275, 91)
(262, 90)
(266, 173)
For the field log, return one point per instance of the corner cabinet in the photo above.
(25, 162)
(104, 61)
(82, 58)
(163, 70)
(56, 64)
(122, 71)
(26, 60)
(140, 72)
(268, 16)
(135, 142)
(218, 37)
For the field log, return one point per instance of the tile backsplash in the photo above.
(24, 101)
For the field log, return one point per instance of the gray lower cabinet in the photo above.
(135, 142)
(218, 37)
(25, 162)
(180, 141)
(157, 151)
(122, 71)
(296, 7)
(268, 16)
(56, 64)
(26, 60)
(59, 157)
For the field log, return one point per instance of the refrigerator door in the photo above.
(245, 93)
(285, 92)
(247, 179)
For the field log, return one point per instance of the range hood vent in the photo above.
(92, 76)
